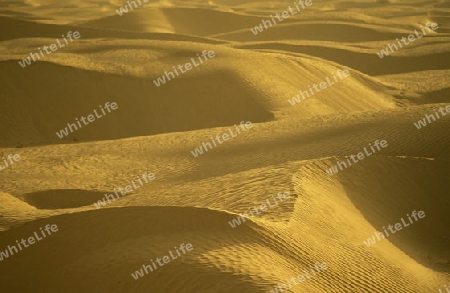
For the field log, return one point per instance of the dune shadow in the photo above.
(366, 63)
(30, 29)
(187, 103)
(423, 188)
(62, 198)
(334, 32)
(439, 96)
(433, 97)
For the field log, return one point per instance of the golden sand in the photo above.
(252, 77)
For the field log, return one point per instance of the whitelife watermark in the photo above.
(139, 274)
(284, 15)
(411, 38)
(281, 196)
(76, 35)
(318, 267)
(199, 151)
(188, 66)
(423, 122)
(31, 240)
(129, 188)
(90, 118)
(397, 226)
(361, 156)
(124, 9)
(10, 158)
(323, 85)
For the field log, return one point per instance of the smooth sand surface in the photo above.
(193, 199)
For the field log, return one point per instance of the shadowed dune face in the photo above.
(143, 108)
(29, 29)
(438, 96)
(63, 199)
(313, 32)
(368, 63)
(383, 199)
(178, 20)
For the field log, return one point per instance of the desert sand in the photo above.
(192, 199)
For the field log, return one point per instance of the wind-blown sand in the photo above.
(192, 200)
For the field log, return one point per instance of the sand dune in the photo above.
(194, 199)
(375, 201)
(143, 239)
(192, 107)
(14, 211)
